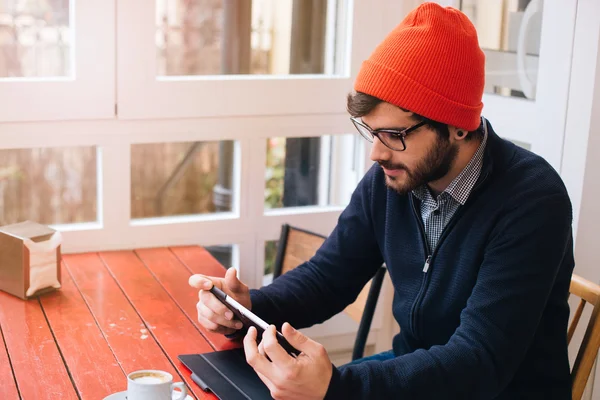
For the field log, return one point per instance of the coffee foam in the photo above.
(149, 378)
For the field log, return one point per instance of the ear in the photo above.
(457, 133)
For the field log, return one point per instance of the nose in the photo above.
(379, 152)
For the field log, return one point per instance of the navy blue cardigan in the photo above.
(489, 318)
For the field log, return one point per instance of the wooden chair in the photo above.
(297, 246)
(589, 292)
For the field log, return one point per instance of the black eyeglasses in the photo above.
(393, 139)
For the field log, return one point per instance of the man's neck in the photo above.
(465, 154)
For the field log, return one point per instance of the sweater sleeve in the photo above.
(322, 287)
(516, 277)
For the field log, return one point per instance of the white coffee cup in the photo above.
(151, 384)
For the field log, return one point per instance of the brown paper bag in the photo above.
(30, 259)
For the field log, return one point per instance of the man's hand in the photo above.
(304, 377)
(212, 314)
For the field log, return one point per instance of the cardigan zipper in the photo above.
(428, 257)
(426, 266)
(429, 254)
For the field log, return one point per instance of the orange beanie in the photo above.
(430, 64)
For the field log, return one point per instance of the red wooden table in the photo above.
(116, 312)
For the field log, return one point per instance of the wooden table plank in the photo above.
(8, 385)
(90, 360)
(133, 346)
(174, 332)
(174, 276)
(37, 364)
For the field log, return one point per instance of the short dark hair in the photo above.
(360, 104)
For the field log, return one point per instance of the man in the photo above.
(475, 233)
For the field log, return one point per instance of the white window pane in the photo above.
(48, 185)
(501, 26)
(35, 39)
(169, 179)
(315, 171)
(264, 37)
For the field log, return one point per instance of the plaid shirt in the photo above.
(437, 212)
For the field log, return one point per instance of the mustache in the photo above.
(390, 166)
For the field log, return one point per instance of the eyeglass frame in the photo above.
(375, 132)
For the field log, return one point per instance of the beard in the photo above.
(434, 166)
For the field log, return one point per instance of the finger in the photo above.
(210, 315)
(261, 348)
(233, 283)
(298, 340)
(212, 327)
(254, 358)
(273, 349)
(277, 393)
(268, 383)
(200, 281)
(211, 301)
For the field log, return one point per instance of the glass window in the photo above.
(315, 171)
(35, 39)
(270, 255)
(223, 253)
(170, 179)
(48, 185)
(264, 37)
(509, 33)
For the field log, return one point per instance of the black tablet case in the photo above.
(226, 374)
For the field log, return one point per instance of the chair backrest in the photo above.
(297, 246)
(588, 292)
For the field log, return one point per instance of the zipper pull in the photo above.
(426, 266)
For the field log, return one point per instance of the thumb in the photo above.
(232, 282)
(298, 339)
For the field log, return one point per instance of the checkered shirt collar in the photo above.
(460, 188)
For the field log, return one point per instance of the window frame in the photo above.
(90, 92)
(71, 119)
(99, 109)
(142, 95)
(245, 226)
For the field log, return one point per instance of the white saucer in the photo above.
(123, 396)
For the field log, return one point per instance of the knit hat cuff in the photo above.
(376, 80)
